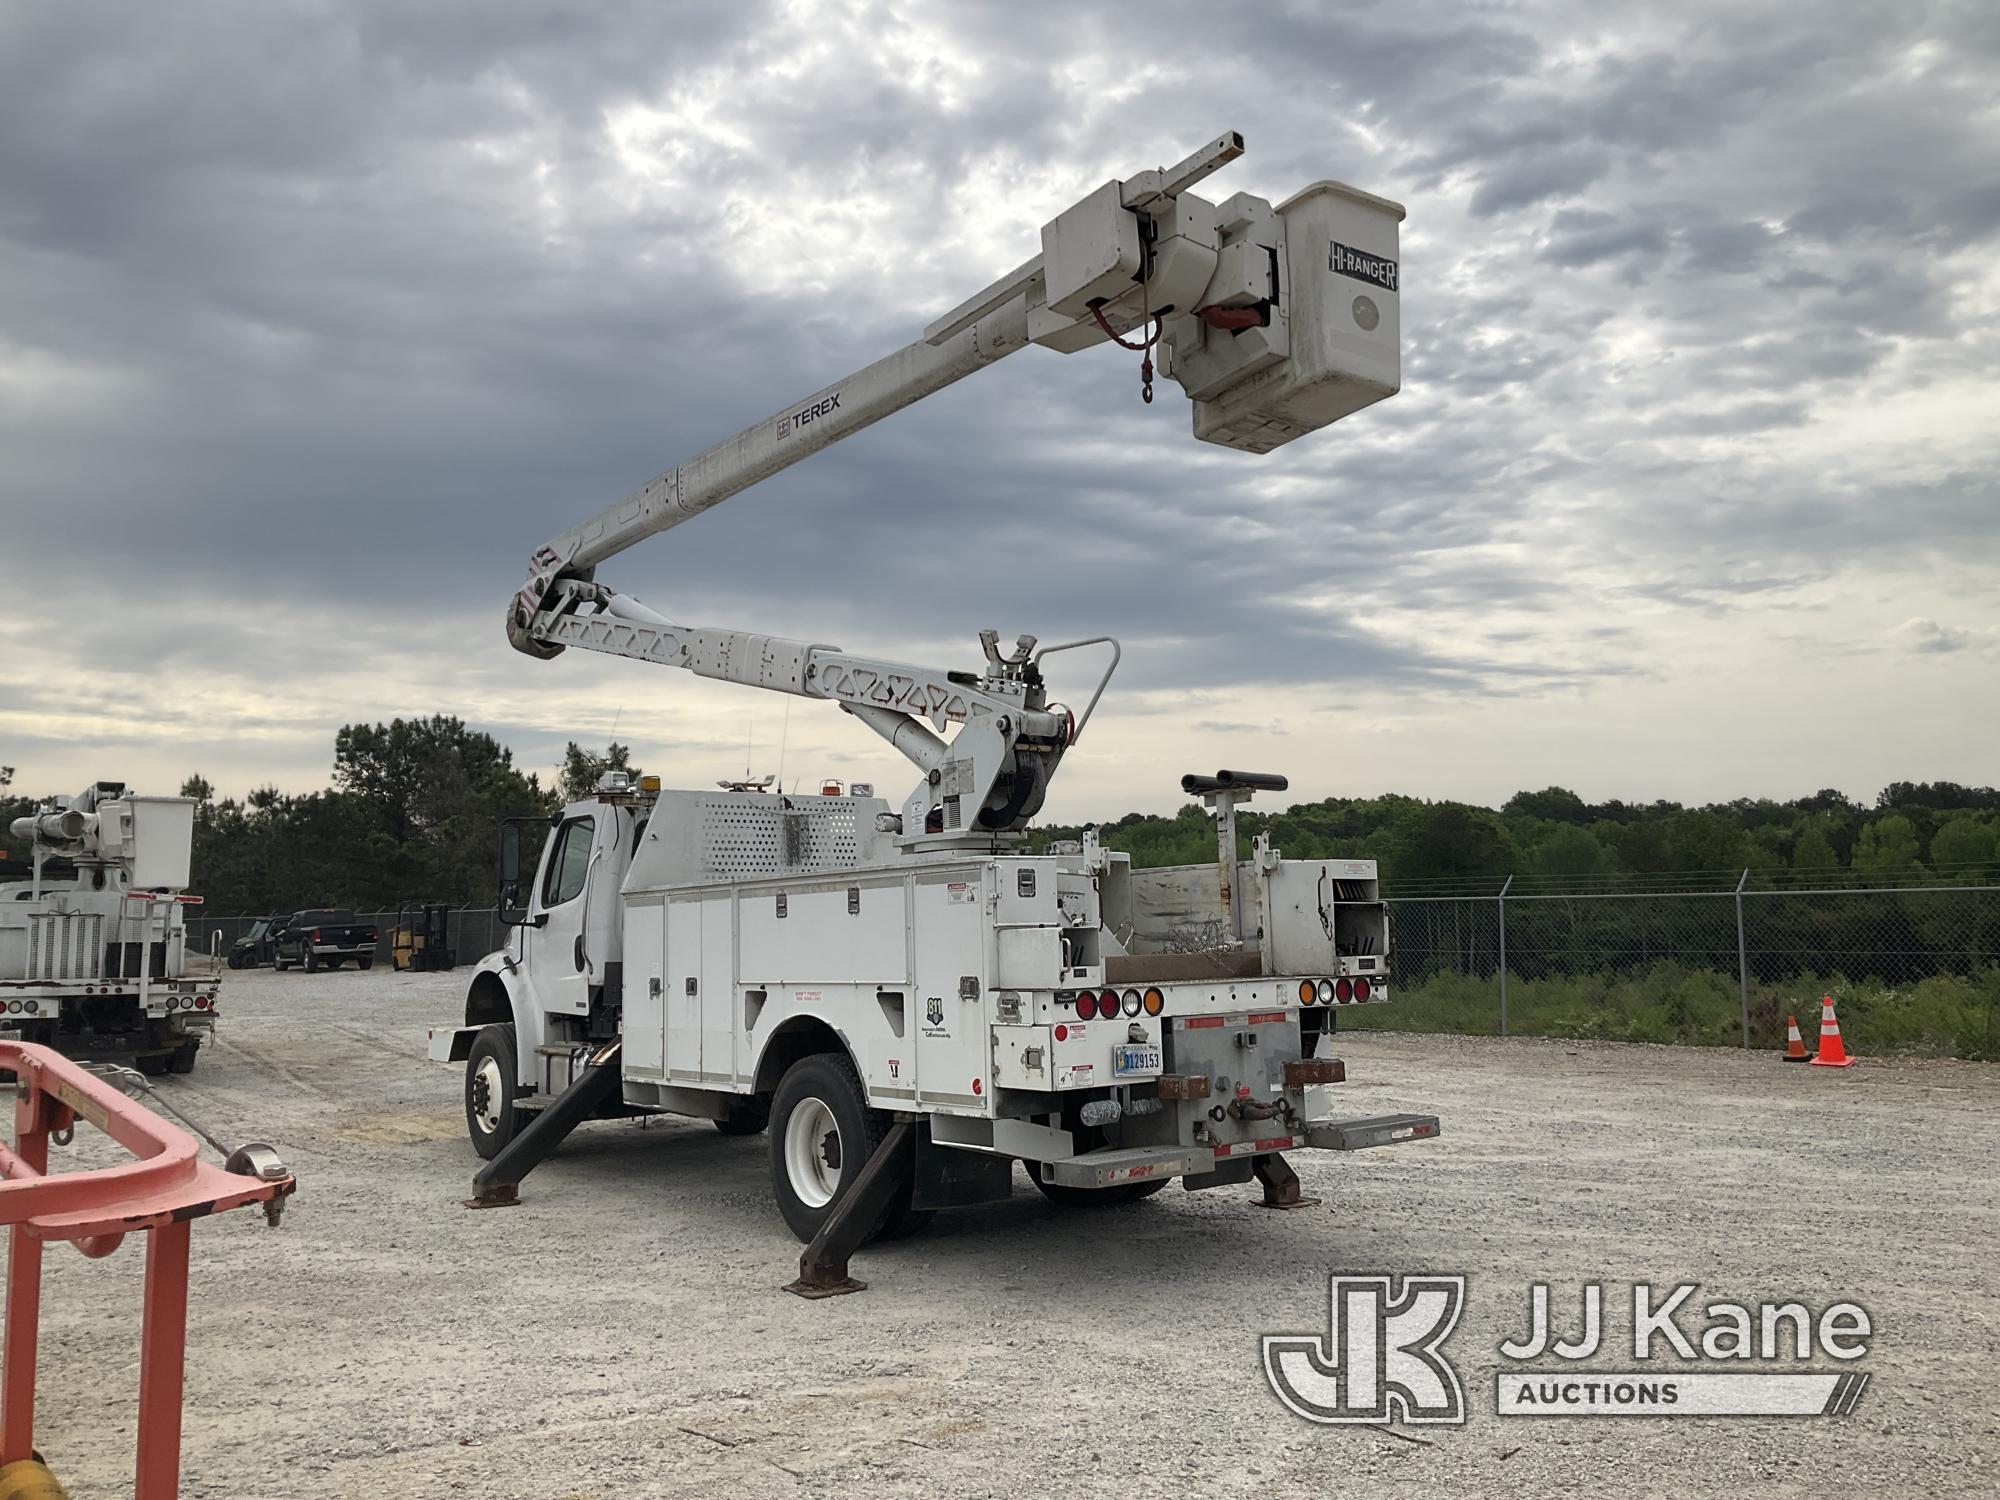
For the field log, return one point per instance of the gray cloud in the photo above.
(329, 309)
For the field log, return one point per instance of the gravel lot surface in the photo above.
(622, 1332)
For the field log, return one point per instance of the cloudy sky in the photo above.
(316, 319)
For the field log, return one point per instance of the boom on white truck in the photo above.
(93, 944)
(906, 997)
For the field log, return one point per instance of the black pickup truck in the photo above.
(324, 939)
(257, 946)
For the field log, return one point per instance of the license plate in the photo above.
(1126, 1061)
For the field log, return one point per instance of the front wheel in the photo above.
(492, 1075)
(822, 1135)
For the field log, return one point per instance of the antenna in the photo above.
(784, 732)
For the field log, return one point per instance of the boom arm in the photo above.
(1274, 321)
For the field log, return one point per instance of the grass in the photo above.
(1943, 1016)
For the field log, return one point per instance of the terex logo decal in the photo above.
(1379, 1359)
(1376, 270)
(805, 416)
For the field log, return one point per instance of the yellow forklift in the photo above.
(421, 939)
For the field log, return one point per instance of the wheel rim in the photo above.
(486, 1095)
(812, 1153)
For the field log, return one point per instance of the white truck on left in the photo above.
(93, 944)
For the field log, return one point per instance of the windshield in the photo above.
(323, 919)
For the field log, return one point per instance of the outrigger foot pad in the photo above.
(1281, 1183)
(858, 1214)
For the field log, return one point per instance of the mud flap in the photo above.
(950, 1178)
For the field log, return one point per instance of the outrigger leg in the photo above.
(497, 1184)
(823, 1264)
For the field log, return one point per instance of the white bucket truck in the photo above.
(93, 943)
(907, 997)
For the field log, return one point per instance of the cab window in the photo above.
(569, 863)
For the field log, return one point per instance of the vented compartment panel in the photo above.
(65, 945)
(751, 840)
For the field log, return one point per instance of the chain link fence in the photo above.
(1911, 969)
(473, 932)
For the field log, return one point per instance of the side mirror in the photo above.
(512, 912)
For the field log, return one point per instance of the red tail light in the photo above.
(371, 935)
(1344, 990)
(315, 935)
(1362, 989)
(201, 1002)
(1086, 1006)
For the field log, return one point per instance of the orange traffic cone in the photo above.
(1832, 1051)
(1795, 1045)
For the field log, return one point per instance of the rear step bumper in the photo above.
(1101, 1169)
(1380, 1130)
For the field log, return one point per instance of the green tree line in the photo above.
(1913, 830)
(414, 805)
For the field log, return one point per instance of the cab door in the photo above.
(557, 959)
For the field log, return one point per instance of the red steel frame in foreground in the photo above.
(159, 1193)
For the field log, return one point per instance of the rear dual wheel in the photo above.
(822, 1135)
(747, 1116)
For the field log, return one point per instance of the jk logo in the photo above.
(1379, 1360)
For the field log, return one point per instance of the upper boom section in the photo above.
(1275, 322)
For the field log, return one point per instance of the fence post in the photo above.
(1501, 900)
(1743, 959)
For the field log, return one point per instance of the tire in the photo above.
(182, 1061)
(902, 1220)
(364, 964)
(819, 1103)
(746, 1117)
(312, 962)
(492, 1079)
(1078, 1197)
(235, 960)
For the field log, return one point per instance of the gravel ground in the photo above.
(622, 1332)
